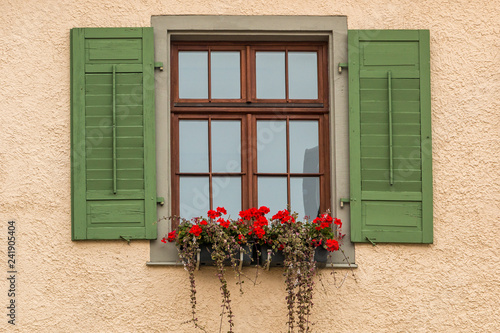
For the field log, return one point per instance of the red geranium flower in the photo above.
(264, 210)
(171, 236)
(332, 245)
(221, 210)
(195, 230)
(224, 223)
(213, 214)
(338, 222)
(259, 232)
(261, 221)
(163, 240)
(324, 225)
(284, 217)
(203, 222)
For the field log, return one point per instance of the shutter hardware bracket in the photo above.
(342, 65)
(344, 201)
(160, 201)
(373, 243)
(159, 65)
(126, 238)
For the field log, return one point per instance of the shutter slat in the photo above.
(390, 157)
(125, 153)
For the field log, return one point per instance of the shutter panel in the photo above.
(390, 136)
(112, 133)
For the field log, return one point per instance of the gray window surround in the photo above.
(253, 28)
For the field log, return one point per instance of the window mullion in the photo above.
(288, 158)
(286, 76)
(210, 187)
(209, 65)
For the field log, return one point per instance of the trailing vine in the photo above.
(226, 238)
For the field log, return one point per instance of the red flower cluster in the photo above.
(254, 213)
(260, 221)
(195, 230)
(259, 232)
(224, 223)
(215, 214)
(170, 237)
(325, 221)
(316, 242)
(203, 222)
(332, 245)
(284, 216)
(241, 239)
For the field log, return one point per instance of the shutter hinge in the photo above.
(344, 201)
(342, 65)
(127, 238)
(371, 241)
(159, 65)
(160, 201)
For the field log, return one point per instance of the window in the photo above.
(249, 127)
(373, 164)
(256, 39)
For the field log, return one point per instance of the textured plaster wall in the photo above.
(64, 286)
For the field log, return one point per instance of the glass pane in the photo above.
(193, 146)
(227, 194)
(226, 146)
(302, 75)
(271, 146)
(270, 75)
(194, 199)
(193, 74)
(304, 156)
(225, 74)
(304, 196)
(272, 192)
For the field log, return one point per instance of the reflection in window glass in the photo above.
(304, 196)
(302, 75)
(226, 145)
(271, 146)
(272, 192)
(193, 146)
(226, 192)
(194, 198)
(304, 156)
(270, 75)
(225, 75)
(193, 74)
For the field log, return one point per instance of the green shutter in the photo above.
(113, 180)
(390, 136)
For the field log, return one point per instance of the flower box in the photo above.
(206, 256)
(277, 257)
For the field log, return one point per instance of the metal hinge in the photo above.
(159, 65)
(371, 241)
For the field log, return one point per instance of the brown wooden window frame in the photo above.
(248, 109)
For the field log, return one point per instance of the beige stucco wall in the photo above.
(64, 286)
